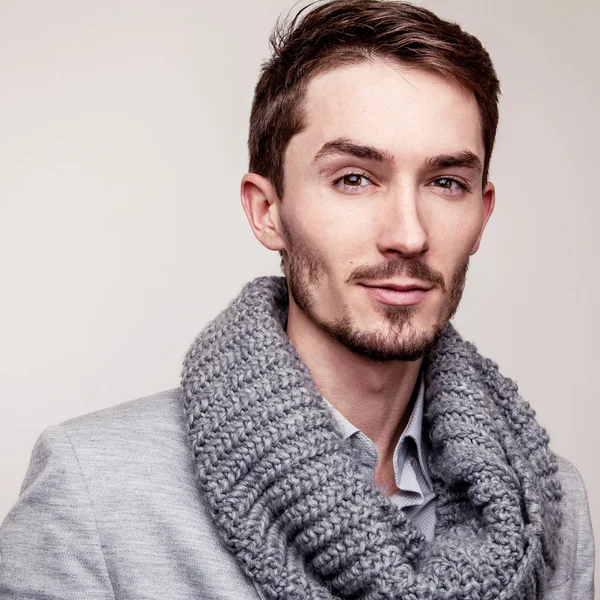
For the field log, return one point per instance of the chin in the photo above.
(399, 339)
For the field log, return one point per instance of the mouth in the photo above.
(397, 294)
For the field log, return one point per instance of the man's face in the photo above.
(383, 206)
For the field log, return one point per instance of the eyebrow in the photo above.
(466, 158)
(347, 146)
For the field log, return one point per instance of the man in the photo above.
(333, 436)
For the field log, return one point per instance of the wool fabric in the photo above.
(294, 509)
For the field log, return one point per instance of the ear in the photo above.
(489, 202)
(261, 205)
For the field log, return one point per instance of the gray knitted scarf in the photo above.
(295, 510)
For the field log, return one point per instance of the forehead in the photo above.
(407, 111)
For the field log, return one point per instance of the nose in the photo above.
(401, 227)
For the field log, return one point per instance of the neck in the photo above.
(374, 396)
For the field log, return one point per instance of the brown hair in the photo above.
(341, 32)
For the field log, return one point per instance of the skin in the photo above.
(349, 225)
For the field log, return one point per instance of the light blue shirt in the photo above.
(415, 494)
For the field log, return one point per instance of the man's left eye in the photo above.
(448, 183)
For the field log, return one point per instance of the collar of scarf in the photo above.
(293, 507)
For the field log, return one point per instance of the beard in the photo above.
(398, 338)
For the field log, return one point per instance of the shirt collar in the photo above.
(414, 427)
(413, 431)
(348, 429)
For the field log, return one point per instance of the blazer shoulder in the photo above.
(574, 573)
(133, 437)
(161, 411)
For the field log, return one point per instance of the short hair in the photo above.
(323, 36)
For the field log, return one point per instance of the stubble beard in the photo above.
(398, 339)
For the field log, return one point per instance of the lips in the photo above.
(399, 287)
(397, 294)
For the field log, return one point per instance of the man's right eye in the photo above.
(351, 181)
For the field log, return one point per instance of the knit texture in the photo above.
(293, 507)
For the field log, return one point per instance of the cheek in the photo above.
(336, 233)
(452, 238)
(458, 226)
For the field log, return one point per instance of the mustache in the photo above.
(399, 267)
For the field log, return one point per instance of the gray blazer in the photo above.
(110, 509)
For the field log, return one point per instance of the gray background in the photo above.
(123, 127)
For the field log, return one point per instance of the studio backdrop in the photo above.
(123, 129)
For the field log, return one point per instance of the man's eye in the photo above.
(448, 183)
(353, 180)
